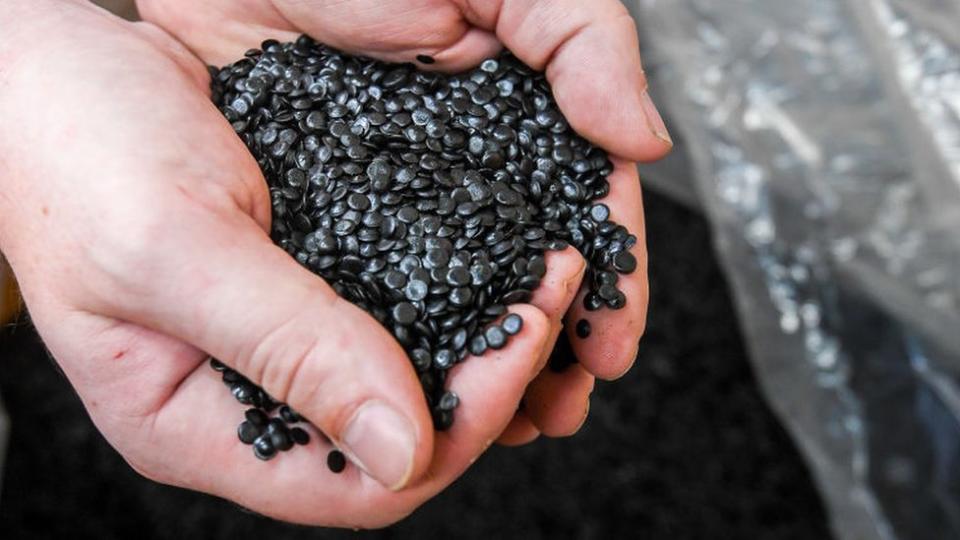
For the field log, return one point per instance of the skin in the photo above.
(135, 221)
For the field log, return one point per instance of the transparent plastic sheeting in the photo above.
(824, 138)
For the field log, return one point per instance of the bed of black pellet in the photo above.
(427, 199)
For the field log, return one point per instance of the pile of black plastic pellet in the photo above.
(426, 199)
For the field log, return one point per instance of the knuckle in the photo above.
(294, 364)
(125, 250)
(283, 359)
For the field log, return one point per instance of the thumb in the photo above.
(591, 55)
(239, 298)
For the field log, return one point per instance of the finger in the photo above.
(591, 55)
(519, 432)
(556, 292)
(394, 32)
(253, 307)
(202, 28)
(611, 347)
(557, 403)
(475, 46)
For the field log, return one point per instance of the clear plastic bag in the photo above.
(824, 142)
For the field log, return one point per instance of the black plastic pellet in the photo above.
(425, 59)
(263, 448)
(459, 277)
(416, 290)
(256, 417)
(444, 358)
(247, 431)
(495, 336)
(336, 461)
(583, 329)
(478, 345)
(592, 302)
(607, 292)
(244, 393)
(299, 435)
(281, 440)
(624, 262)
(618, 301)
(289, 415)
(449, 401)
(600, 213)
(404, 313)
(512, 324)
(442, 419)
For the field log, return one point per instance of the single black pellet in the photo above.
(600, 213)
(425, 59)
(281, 439)
(583, 329)
(336, 461)
(299, 435)
(256, 417)
(478, 345)
(404, 313)
(263, 448)
(592, 301)
(442, 419)
(512, 324)
(248, 432)
(624, 262)
(495, 336)
(449, 401)
(289, 415)
(244, 393)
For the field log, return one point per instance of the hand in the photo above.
(135, 221)
(590, 53)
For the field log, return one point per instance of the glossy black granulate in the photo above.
(428, 200)
(512, 324)
(583, 329)
(336, 461)
(263, 448)
(299, 435)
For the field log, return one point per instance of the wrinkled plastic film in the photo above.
(824, 137)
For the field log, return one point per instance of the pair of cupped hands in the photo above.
(136, 222)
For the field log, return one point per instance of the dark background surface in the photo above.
(682, 447)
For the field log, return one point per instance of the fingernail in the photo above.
(381, 441)
(654, 120)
